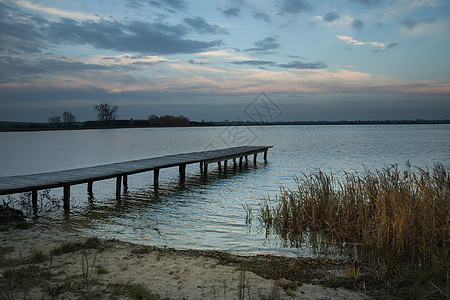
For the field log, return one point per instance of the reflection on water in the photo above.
(207, 212)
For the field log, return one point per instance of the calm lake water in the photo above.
(207, 213)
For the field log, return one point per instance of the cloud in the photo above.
(428, 26)
(369, 3)
(201, 26)
(302, 65)
(261, 16)
(31, 34)
(231, 12)
(357, 24)
(331, 17)
(380, 45)
(254, 62)
(55, 11)
(161, 4)
(294, 6)
(269, 43)
(410, 25)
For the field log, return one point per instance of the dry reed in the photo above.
(399, 214)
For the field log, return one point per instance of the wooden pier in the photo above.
(66, 178)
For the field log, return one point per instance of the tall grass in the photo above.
(397, 214)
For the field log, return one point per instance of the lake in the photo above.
(207, 213)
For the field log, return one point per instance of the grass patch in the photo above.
(22, 225)
(133, 291)
(69, 247)
(37, 257)
(102, 270)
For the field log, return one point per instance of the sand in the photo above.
(167, 273)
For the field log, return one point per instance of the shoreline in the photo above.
(113, 269)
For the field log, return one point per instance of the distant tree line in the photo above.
(67, 120)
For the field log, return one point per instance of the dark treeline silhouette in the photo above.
(169, 121)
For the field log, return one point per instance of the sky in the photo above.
(289, 60)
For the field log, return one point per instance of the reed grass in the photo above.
(396, 214)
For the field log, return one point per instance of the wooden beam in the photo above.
(182, 170)
(118, 186)
(155, 177)
(34, 198)
(66, 197)
(125, 182)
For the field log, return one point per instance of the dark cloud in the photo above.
(410, 24)
(369, 3)
(231, 12)
(302, 65)
(294, 6)
(261, 16)
(12, 69)
(201, 26)
(254, 62)
(357, 24)
(157, 38)
(265, 45)
(330, 17)
(162, 4)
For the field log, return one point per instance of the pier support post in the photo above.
(234, 163)
(34, 197)
(155, 177)
(125, 182)
(246, 160)
(254, 158)
(225, 162)
(66, 197)
(240, 162)
(265, 156)
(219, 165)
(118, 186)
(89, 187)
(205, 168)
(182, 173)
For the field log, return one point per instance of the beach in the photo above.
(44, 262)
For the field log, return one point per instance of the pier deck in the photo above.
(66, 178)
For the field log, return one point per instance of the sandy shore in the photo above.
(117, 270)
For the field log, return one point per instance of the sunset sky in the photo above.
(316, 60)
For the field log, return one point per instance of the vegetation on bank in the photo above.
(397, 222)
(24, 126)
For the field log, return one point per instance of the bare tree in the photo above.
(55, 121)
(106, 113)
(68, 119)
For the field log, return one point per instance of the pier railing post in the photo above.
(66, 197)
